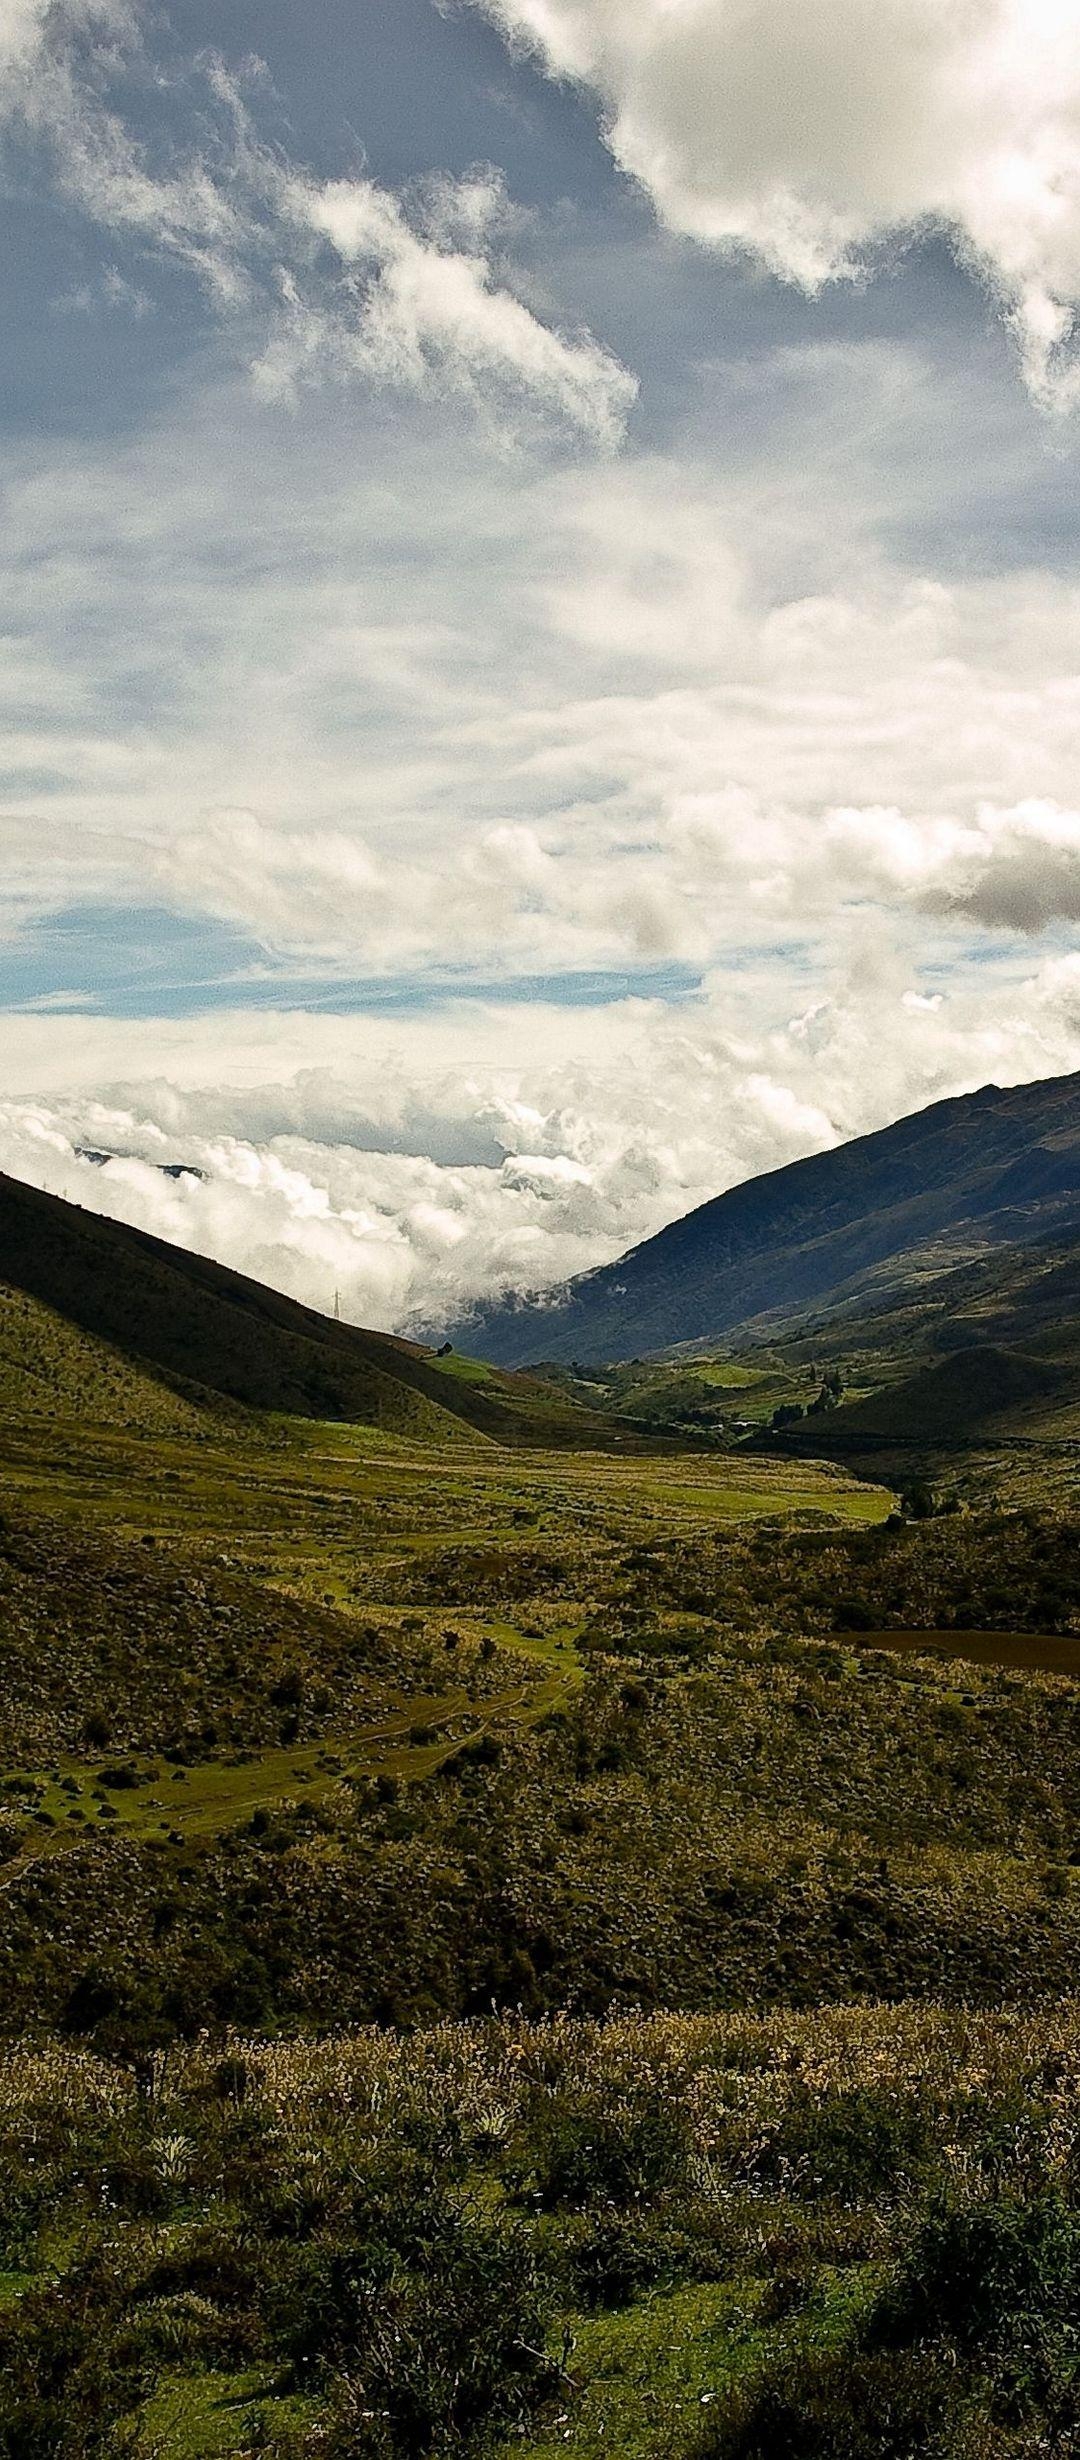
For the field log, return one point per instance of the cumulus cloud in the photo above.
(342, 278)
(415, 1169)
(807, 132)
(1013, 870)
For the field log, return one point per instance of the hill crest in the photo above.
(149, 1322)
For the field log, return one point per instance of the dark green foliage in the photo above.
(593, 2150)
(70, 2367)
(841, 2405)
(998, 2278)
(432, 2309)
(103, 1642)
(980, 2318)
(408, 2238)
(757, 1819)
(853, 2145)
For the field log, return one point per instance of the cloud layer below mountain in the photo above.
(412, 1169)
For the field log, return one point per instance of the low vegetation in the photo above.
(827, 2234)
(370, 1797)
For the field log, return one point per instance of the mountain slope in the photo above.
(988, 1168)
(973, 1392)
(125, 1326)
(985, 1351)
(52, 1372)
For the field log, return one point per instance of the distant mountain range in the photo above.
(990, 1170)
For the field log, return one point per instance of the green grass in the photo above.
(203, 1799)
(728, 1375)
(862, 1506)
(464, 1370)
(800, 2158)
(556, 1648)
(342, 1490)
(643, 2379)
(211, 2416)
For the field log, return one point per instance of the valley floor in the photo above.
(366, 1806)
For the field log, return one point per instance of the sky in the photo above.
(539, 609)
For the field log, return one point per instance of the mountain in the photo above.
(105, 1323)
(988, 1169)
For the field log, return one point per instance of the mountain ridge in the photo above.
(994, 1165)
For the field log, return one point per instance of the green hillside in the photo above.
(52, 1371)
(153, 1332)
(981, 1390)
(983, 1354)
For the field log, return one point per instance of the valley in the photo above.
(524, 1944)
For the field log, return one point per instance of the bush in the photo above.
(431, 2310)
(71, 2371)
(839, 2405)
(850, 2144)
(586, 2149)
(1000, 2279)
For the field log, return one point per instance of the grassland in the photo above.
(704, 2238)
(371, 1796)
(221, 1588)
(319, 1725)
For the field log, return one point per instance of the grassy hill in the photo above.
(984, 1354)
(369, 1733)
(52, 1371)
(978, 1391)
(987, 1170)
(102, 1322)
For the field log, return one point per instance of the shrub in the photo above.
(71, 2370)
(1000, 2279)
(432, 2311)
(617, 2150)
(851, 2144)
(839, 2405)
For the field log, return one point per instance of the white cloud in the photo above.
(809, 131)
(411, 308)
(339, 277)
(1011, 870)
(590, 739)
(382, 701)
